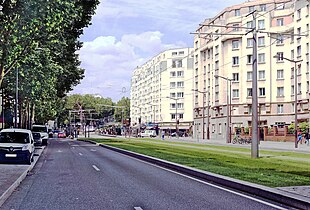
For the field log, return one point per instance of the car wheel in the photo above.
(29, 160)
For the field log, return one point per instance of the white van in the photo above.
(16, 145)
(148, 133)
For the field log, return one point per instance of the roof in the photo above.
(16, 130)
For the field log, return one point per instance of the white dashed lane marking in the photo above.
(80, 154)
(96, 168)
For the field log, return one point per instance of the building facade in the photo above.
(161, 91)
(223, 70)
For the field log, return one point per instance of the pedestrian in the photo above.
(163, 135)
(307, 138)
(299, 137)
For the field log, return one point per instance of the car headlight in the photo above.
(25, 147)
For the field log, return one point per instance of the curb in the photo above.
(279, 196)
(11, 189)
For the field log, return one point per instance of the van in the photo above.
(16, 145)
(148, 133)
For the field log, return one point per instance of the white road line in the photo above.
(93, 150)
(96, 168)
(137, 208)
(206, 183)
(80, 154)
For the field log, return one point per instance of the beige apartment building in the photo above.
(161, 91)
(223, 57)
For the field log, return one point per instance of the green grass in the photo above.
(273, 169)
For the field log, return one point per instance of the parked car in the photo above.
(148, 133)
(43, 130)
(16, 145)
(38, 141)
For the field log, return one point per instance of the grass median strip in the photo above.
(273, 169)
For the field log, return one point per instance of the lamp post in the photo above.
(228, 130)
(176, 114)
(295, 90)
(203, 114)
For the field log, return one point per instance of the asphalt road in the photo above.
(78, 175)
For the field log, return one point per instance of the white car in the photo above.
(43, 130)
(149, 133)
(16, 145)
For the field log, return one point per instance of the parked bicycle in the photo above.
(241, 140)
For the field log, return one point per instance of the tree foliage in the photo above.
(39, 39)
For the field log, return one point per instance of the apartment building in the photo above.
(161, 91)
(223, 58)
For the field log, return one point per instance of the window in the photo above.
(249, 42)
(235, 44)
(180, 105)
(263, 7)
(261, 58)
(280, 108)
(181, 53)
(176, 63)
(249, 59)
(279, 39)
(180, 73)
(173, 116)
(299, 88)
(280, 91)
(172, 84)
(261, 24)
(280, 74)
(261, 41)
(235, 60)
(237, 12)
(216, 49)
(292, 90)
(249, 92)
(299, 31)
(172, 74)
(249, 76)
(180, 94)
(292, 54)
(279, 56)
(180, 84)
(174, 53)
(280, 6)
(235, 77)
(249, 25)
(180, 116)
(236, 27)
(299, 51)
(298, 14)
(172, 106)
(235, 93)
(172, 95)
(261, 91)
(280, 22)
(251, 8)
(261, 74)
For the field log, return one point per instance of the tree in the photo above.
(39, 39)
(124, 112)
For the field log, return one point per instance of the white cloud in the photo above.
(109, 63)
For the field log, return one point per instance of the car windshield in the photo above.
(39, 129)
(14, 137)
(36, 135)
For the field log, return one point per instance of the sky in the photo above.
(125, 34)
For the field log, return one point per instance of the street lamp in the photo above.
(176, 114)
(228, 130)
(279, 57)
(203, 114)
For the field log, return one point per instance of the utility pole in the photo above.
(254, 144)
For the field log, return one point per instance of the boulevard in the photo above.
(78, 175)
